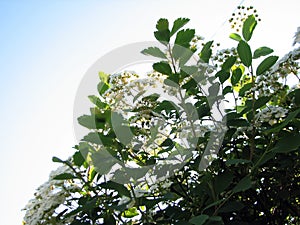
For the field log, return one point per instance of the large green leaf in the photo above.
(229, 62)
(243, 185)
(287, 144)
(236, 76)
(162, 24)
(266, 64)
(162, 67)
(222, 181)
(262, 51)
(206, 52)
(223, 75)
(184, 37)
(281, 125)
(121, 189)
(178, 23)
(91, 122)
(199, 220)
(78, 159)
(248, 27)
(262, 101)
(154, 51)
(244, 52)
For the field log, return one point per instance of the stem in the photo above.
(253, 131)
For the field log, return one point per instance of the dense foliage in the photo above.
(252, 178)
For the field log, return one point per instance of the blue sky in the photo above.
(47, 46)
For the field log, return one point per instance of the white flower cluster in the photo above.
(271, 115)
(41, 209)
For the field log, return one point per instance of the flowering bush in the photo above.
(187, 158)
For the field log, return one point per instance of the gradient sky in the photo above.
(47, 46)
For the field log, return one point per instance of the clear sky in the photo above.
(47, 46)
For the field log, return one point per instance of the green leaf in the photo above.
(238, 123)
(244, 52)
(223, 75)
(184, 37)
(163, 33)
(96, 101)
(102, 88)
(121, 189)
(229, 62)
(222, 181)
(56, 159)
(262, 51)
(287, 144)
(162, 67)
(235, 37)
(91, 122)
(167, 142)
(199, 220)
(154, 51)
(266, 64)
(227, 89)
(162, 24)
(248, 27)
(103, 77)
(262, 101)
(278, 127)
(78, 159)
(233, 206)
(245, 88)
(243, 185)
(206, 52)
(64, 176)
(236, 76)
(129, 213)
(178, 23)
(236, 161)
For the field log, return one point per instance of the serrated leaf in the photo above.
(154, 51)
(163, 33)
(162, 67)
(184, 37)
(179, 23)
(248, 27)
(266, 64)
(262, 51)
(162, 24)
(235, 37)
(244, 52)
(243, 185)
